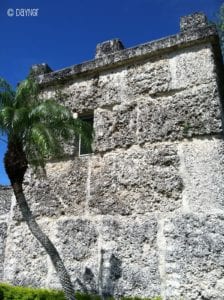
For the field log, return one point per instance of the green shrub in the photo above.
(8, 292)
(25, 293)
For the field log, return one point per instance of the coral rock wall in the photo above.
(144, 214)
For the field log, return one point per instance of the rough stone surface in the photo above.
(203, 174)
(149, 78)
(114, 256)
(193, 21)
(139, 180)
(143, 214)
(144, 107)
(48, 196)
(115, 128)
(132, 250)
(40, 69)
(3, 234)
(77, 241)
(5, 205)
(25, 260)
(191, 67)
(5, 200)
(108, 47)
(195, 257)
(188, 113)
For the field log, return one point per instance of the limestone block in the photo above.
(188, 113)
(79, 95)
(77, 237)
(61, 192)
(135, 181)
(115, 127)
(113, 88)
(129, 261)
(3, 235)
(83, 94)
(25, 259)
(194, 257)
(149, 77)
(5, 199)
(202, 166)
(190, 67)
(76, 241)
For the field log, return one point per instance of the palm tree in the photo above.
(35, 130)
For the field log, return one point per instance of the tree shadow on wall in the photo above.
(109, 272)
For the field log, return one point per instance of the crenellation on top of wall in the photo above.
(110, 53)
(40, 69)
(193, 21)
(108, 47)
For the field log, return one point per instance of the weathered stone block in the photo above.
(150, 77)
(112, 87)
(5, 199)
(25, 259)
(3, 235)
(115, 127)
(191, 67)
(73, 233)
(76, 241)
(83, 94)
(188, 113)
(138, 180)
(62, 192)
(79, 95)
(194, 257)
(202, 165)
(129, 257)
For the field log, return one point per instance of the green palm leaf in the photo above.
(40, 126)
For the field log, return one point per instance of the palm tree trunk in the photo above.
(45, 241)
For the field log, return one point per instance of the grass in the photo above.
(8, 292)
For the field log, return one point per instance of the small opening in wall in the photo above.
(85, 148)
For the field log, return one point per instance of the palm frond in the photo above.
(20, 119)
(7, 94)
(6, 117)
(50, 111)
(41, 144)
(42, 126)
(26, 93)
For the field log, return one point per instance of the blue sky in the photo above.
(66, 32)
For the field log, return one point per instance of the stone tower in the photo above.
(143, 214)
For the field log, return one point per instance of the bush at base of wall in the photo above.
(8, 292)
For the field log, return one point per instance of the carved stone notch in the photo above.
(108, 47)
(193, 22)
